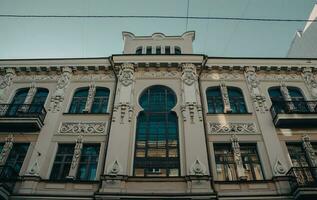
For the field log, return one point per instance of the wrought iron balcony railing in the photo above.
(23, 111)
(302, 177)
(8, 177)
(293, 107)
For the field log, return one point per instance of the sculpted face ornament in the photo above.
(189, 75)
(126, 74)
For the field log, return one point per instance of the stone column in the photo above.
(76, 158)
(90, 98)
(5, 83)
(196, 159)
(6, 150)
(225, 98)
(237, 157)
(119, 147)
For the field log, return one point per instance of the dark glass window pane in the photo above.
(158, 50)
(148, 50)
(17, 156)
(88, 162)
(79, 101)
(236, 100)
(167, 50)
(16, 102)
(100, 102)
(251, 162)
(62, 162)
(157, 148)
(178, 50)
(138, 51)
(38, 100)
(214, 100)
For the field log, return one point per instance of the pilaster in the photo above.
(90, 98)
(6, 149)
(225, 97)
(76, 158)
(237, 157)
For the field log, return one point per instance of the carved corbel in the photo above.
(6, 149)
(309, 151)
(237, 157)
(59, 94)
(310, 81)
(5, 83)
(225, 98)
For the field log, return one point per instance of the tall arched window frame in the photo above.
(19, 105)
(157, 143)
(215, 101)
(99, 103)
(296, 103)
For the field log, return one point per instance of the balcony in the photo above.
(294, 114)
(8, 177)
(303, 182)
(21, 117)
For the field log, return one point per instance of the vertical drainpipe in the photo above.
(110, 119)
(204, 122)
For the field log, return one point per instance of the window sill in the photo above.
(86, 113)
(248, 113)
(242, 181)
(69, 181)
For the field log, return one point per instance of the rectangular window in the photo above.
(158, 50)
(226, 167)
(167, 50)
(297, 155)
(63, 161)
(148, 50)
(17, 156)
(88, 162)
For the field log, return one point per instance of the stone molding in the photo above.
(232, 128)
(83, 127)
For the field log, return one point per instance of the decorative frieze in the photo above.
(158, 74)
(232, 128)
(93, 77)
(6, 149)
(83, 127)
(5, 83)
(216, 76)
(275, 76)
(310, 81)
(254, 88)
(59, 94)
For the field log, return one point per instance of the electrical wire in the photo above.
(158, 17)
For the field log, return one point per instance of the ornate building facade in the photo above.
(158, 122)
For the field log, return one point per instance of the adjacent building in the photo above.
(158, 122)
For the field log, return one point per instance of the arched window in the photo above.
(236, 100)
(177, 50)
(214, 100)
(99, 101)
(296, 103)
(79, 101)
(157, 144)
(18, 104)
(138, 51)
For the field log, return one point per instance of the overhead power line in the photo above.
(157, 17)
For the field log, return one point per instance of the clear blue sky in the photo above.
(52, 38)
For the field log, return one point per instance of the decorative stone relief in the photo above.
(123, 108)
(126, 74)
(159, 74)
(198, 169)
(83, 127)
(35, 169)
(279, 169)
(237, 157)
(76, 158)
(59, 94)
(5, 83)
(310, 81)
(6, 149)
(222, 76)
(90, 98)
(309, 150)
(286, 95)
(232, 128)
(93, 77)
(253, 85)
(114, 169)
(225, 97)
(36, 78)
(189, 75)
(280, 77)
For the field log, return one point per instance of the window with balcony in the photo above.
(215, 100)
(88, 162)
(157, 144)
(99, 102)
(226, 167)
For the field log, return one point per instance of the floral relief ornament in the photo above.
(77, 151)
